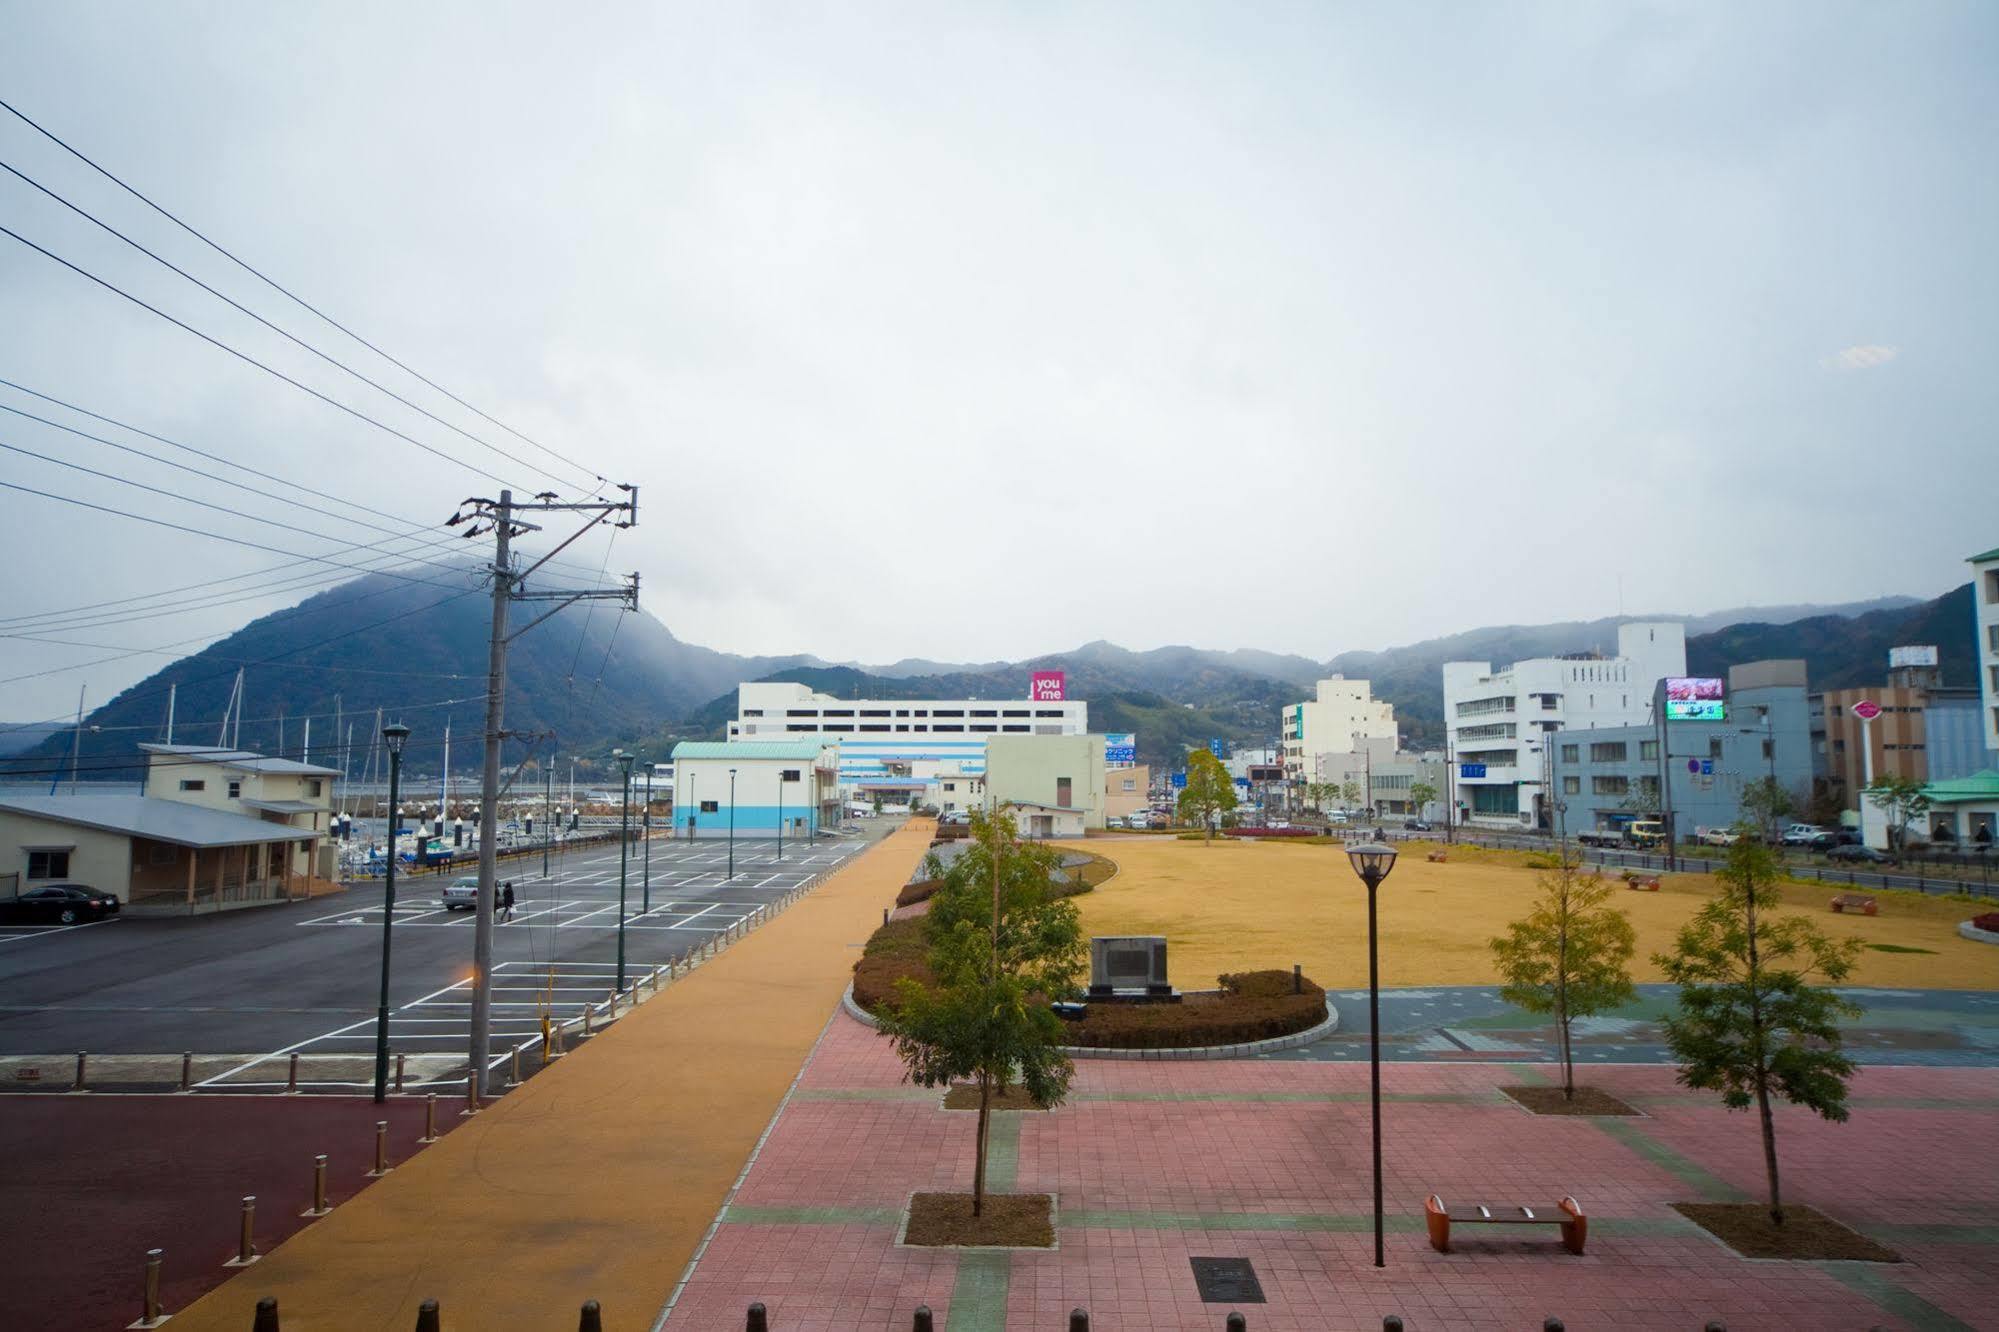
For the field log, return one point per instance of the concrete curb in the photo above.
(1245, 1050)
(1965, 928)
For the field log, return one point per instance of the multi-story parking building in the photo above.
(1497, 718)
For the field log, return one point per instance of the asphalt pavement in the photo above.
(243, 989)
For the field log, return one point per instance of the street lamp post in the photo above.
(1373, 861)
(645, 826)
(732, 824)
(780, 814)
(394, 737)
(624, 760)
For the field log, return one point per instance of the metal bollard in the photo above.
(1079, 1320)
(187, 1070)
(267, 1315)
(558, 1040)
(758, 1322)
(399, 1071)
(923, 1319)
(1236, 1323)
(291, 1077)
(592, 1319)
(884, 915)
(319, 1207)
(427, 1319)
(246, 1248)
(429, 1118)
(586, 1019)
(515, 1081)
(1715, 1325)
(381, 1149)
(1297, 979)
(150, 1310)
(1392, 1323)
(82, 1065)
(471, 1091)
(1552, 1324)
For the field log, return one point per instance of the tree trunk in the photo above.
(1769, 1150)
(979, 1165)
(1562, 996)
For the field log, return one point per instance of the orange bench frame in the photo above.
(1569, 1216)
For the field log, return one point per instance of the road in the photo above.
(243, 989)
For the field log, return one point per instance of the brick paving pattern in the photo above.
(1268, 1160)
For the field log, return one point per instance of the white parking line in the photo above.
(42, 931)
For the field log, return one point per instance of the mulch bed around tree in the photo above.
(1550, 1101)
(1806, 1233)
(965, 1096)
(1010, 1220)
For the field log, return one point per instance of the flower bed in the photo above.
(1273, 832)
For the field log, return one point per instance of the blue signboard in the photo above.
(1707, 767)
(1178, 781)
(1471, 770)
(1121, 749)
(1219, 748)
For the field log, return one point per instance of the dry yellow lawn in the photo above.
(1234, 906)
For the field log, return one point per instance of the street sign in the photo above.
(1707, 767)
(1471, 770)
(1867, 709)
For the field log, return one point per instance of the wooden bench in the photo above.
(1568, 1214)
(1436, 857)
(1856, 903)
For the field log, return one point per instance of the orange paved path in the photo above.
(598, 1178)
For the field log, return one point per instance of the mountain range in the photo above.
(590, 679)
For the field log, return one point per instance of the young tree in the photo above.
(1750, 1024)
(1350, 793)
(1903, 800)
(1767, 802)
(1002, 943)
(1209, 791)
(1420, 796)
(1569, 956)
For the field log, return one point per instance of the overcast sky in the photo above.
(981, 331)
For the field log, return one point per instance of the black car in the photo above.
(1858, 855)
(57, 904)
(1827, 841)
(1415, 825)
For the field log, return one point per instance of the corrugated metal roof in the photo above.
(284, 806)
(748, 749)
(242, 760)
(1979, 786)
(156, 819)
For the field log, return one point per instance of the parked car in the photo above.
(1833, 840)
(58, 904)
(1417, 825)
(1801, 834)
(462, 891)
(1719, 837)
(1852, 853)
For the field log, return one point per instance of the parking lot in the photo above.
(245, 990)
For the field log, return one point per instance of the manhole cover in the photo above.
(1226, 1281)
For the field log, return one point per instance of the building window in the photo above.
(948, 712)
(1062, 791)
(1714, 746)
(946, 726)
(162, 854)
(1610, 786)
(711, 807)
(985, 726)
(193, 784)
(874, 712)
(950, 786)
(1769, 749)
(1049, 712)
(985, 712)
(313, 786)
(902, 726)
(1572, 753)
(837, 712)
(874, 726)
(801, 712)
(753, 712)
(1608, 751)
(837, 726)
(800, 726)
(1992, 586)
(1572, 786)
(1014, 712)
(235, 790)
(902, 712)
(1992, 636)
(1014, 726)
(1648, 750)
(788, 775)
(48, 864)
(1131, 783)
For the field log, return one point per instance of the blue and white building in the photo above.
(901, 748)
(753, 788)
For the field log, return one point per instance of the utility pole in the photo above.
(502, 518)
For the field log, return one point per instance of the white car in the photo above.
(462, 891)
(1720, 836)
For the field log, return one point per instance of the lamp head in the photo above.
(393, 735)
(622, 757)
(1372, 861)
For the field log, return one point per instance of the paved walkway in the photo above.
(1449, 1023)
(599, 1177)
(1155, 1164)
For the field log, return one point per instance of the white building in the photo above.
(1985, 605)
(1339, 720)
(900, 747)
(1498, 719)
(1053, 784)
(760, 788)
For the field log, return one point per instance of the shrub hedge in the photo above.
(1094, 871)
(1988, 921)
(895, 950)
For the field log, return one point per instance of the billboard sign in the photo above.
(1047, 687)
(1696, 698)
(1914, 655)
(1121, 749)
(1866, 709)
(1266, 772)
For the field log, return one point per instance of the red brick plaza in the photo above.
(1155, 1163)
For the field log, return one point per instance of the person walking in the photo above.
(507, 901)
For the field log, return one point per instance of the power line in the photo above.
(244, 356)
(22, 116)
(281, 332)
(440, 541)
